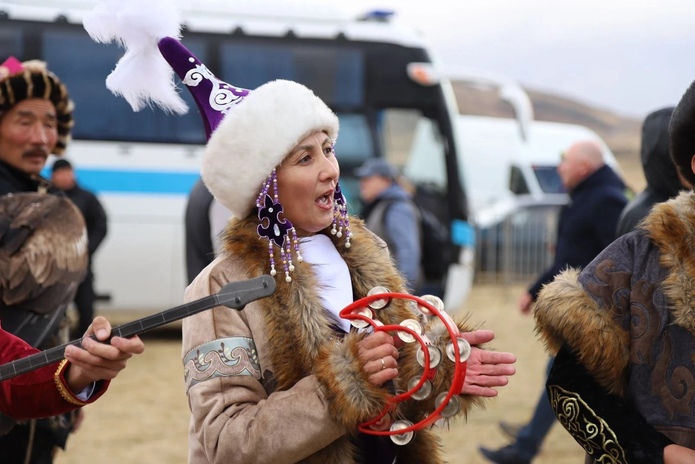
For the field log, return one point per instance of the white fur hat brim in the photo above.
(256, 135)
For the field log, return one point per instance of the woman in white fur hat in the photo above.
(287, 379)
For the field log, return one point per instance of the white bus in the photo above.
(377, 75)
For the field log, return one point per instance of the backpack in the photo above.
(435, 247)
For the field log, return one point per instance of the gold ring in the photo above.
(383, 364)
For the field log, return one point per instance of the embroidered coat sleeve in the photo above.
(585, 321)
(39, 393)
(236, 414)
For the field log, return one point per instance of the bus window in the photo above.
(11, 42)
(415, 144)
(517, 183)
(98, 114)
(354, 145)
(425, 163)
(334, 74)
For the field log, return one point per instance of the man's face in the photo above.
(372, 186)
(28, 134)
(63, 178)
(572, 169)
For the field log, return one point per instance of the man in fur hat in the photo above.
(35, 121)
(623, 331)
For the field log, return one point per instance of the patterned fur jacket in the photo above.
(274, 383)
(623, 329)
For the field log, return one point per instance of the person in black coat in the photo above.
(199, 248)
(63, 178)
(663, 181)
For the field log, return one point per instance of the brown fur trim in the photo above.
(567, 315)
(295, 313)
(425, 448)
(351, 397)
(671, 226)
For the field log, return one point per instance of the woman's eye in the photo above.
(305, 159)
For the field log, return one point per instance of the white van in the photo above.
(501, 168)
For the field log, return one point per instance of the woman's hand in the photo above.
(99, 361)
(379, 357)
(486, 369)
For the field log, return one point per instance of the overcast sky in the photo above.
(627, 56)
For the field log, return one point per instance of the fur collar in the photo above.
(671, 226)
(295, 312)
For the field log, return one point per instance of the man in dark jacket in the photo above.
(586, 226)
(663, 181)
(63, 177)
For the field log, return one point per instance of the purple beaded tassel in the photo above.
(278, 231)
(341, 223)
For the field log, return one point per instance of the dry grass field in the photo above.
(143, 417)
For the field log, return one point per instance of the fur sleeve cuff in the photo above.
(352, 399)
(567, 315)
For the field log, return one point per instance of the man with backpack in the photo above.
(390, 212)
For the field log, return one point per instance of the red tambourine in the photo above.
(361, 314)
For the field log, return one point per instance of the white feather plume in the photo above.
(142, 76)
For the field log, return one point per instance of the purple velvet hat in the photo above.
(213, 96)
(249, 132)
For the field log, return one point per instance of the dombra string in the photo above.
(363, 313)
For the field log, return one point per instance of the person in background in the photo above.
(198, 239)
(63, 177)
(205, 220)
(586, 226)
(36, 120)
(663, 180)
(622, 331)
(390, 213)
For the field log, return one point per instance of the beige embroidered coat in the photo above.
(273, 384)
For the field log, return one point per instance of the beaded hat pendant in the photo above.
(278, 231)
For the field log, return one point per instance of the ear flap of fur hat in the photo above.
(31, 79)
(682, 134)
(256, 135)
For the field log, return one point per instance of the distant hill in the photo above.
(622, 134)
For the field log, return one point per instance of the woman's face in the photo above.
(307, 179)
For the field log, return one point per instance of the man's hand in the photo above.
(525, 302)
(99, 361)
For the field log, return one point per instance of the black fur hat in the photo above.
(31, 79)
(682, 134)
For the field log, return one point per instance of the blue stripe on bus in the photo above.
(146, 182)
